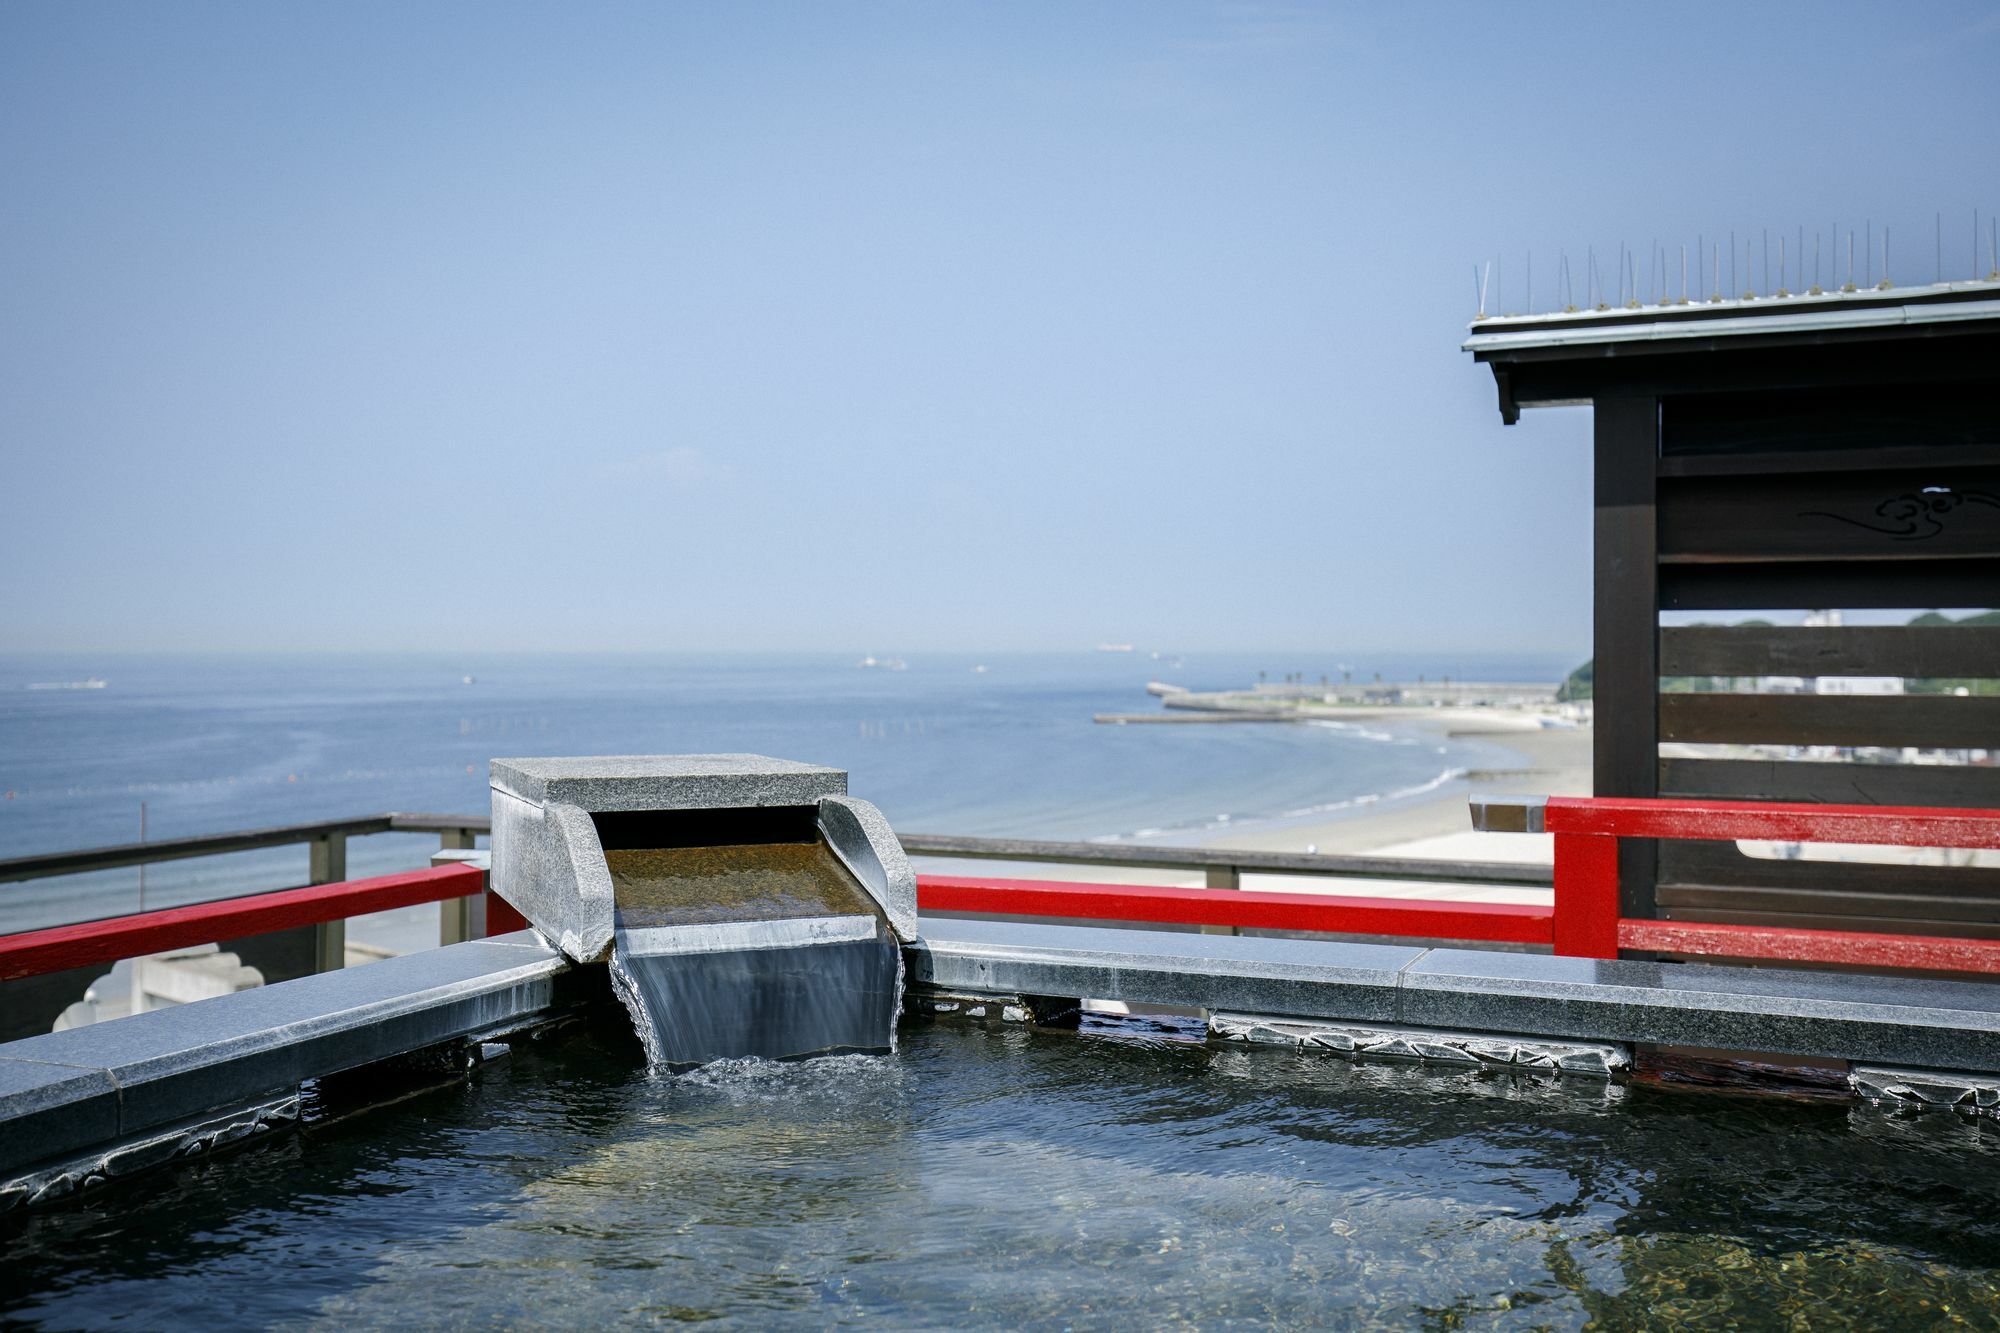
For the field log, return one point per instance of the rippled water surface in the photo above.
(1002, 1177)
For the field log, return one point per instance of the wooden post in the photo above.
(1626, 623)
(459, 919)
(329, 866)
(1222, 877)
(1586, 919)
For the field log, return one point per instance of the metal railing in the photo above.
(327, 838)
(326, 843)
(1222, 868)
(60, 948)
(1583, 921)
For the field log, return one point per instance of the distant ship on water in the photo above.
(93, 683)
(1114, 648)
(884, 663)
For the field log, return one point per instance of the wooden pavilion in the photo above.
(1833, 451)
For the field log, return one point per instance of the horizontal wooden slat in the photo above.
(1722, 863)
(1860, 415)
(1886, 458)
(1970, 930)
(1840, 947)
(1806, 650)
(1927, 721)
(1961, 785)
(1801, 585)
(1930, 513)
(1700, 899)
(1931, 358)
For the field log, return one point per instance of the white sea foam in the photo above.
(1432, 784)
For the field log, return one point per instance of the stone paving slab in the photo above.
(69, 1091)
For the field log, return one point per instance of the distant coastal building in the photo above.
(1771, 455)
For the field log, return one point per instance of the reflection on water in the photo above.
(1005, 1178)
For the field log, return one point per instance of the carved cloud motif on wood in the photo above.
(1915, 516)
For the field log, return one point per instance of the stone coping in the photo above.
(68, 1092)
(667, 781)
(1932, 1024)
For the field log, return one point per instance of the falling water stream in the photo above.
(763, 949)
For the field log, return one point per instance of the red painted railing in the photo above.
(1587, 921)
(1584, 921)
(1428, 919)
(87, 942)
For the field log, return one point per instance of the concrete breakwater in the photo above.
(1291, 701)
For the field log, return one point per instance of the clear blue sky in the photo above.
(868, 326)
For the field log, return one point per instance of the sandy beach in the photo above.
(1552, 762)
(1432, 826)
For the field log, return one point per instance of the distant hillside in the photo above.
(1976, 618)
(1580, 683)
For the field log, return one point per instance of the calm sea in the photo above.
(224, 743)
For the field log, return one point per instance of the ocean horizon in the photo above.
(995, 744)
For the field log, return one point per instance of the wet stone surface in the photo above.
(997, 1176)
(684, 886)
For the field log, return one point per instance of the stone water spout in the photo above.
(746, 906)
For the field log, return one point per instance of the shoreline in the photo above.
(1436, 823)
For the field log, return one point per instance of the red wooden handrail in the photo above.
(1510, 923)
(1584, 921)
(1774, 821)
(1587, 921)
(86, 942)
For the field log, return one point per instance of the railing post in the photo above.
(1587, 909)
(329, 866)
(460, 919)
(1222, 877)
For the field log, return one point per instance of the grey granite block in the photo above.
(667, 781)
(1934, 1024)
(867, 846)
(172, 1064)
(548, 859)
(549, 863)
(1304, 978)
(47, 1109)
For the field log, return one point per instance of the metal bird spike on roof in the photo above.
(1759, 281)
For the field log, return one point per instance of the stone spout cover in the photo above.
(549, 863)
